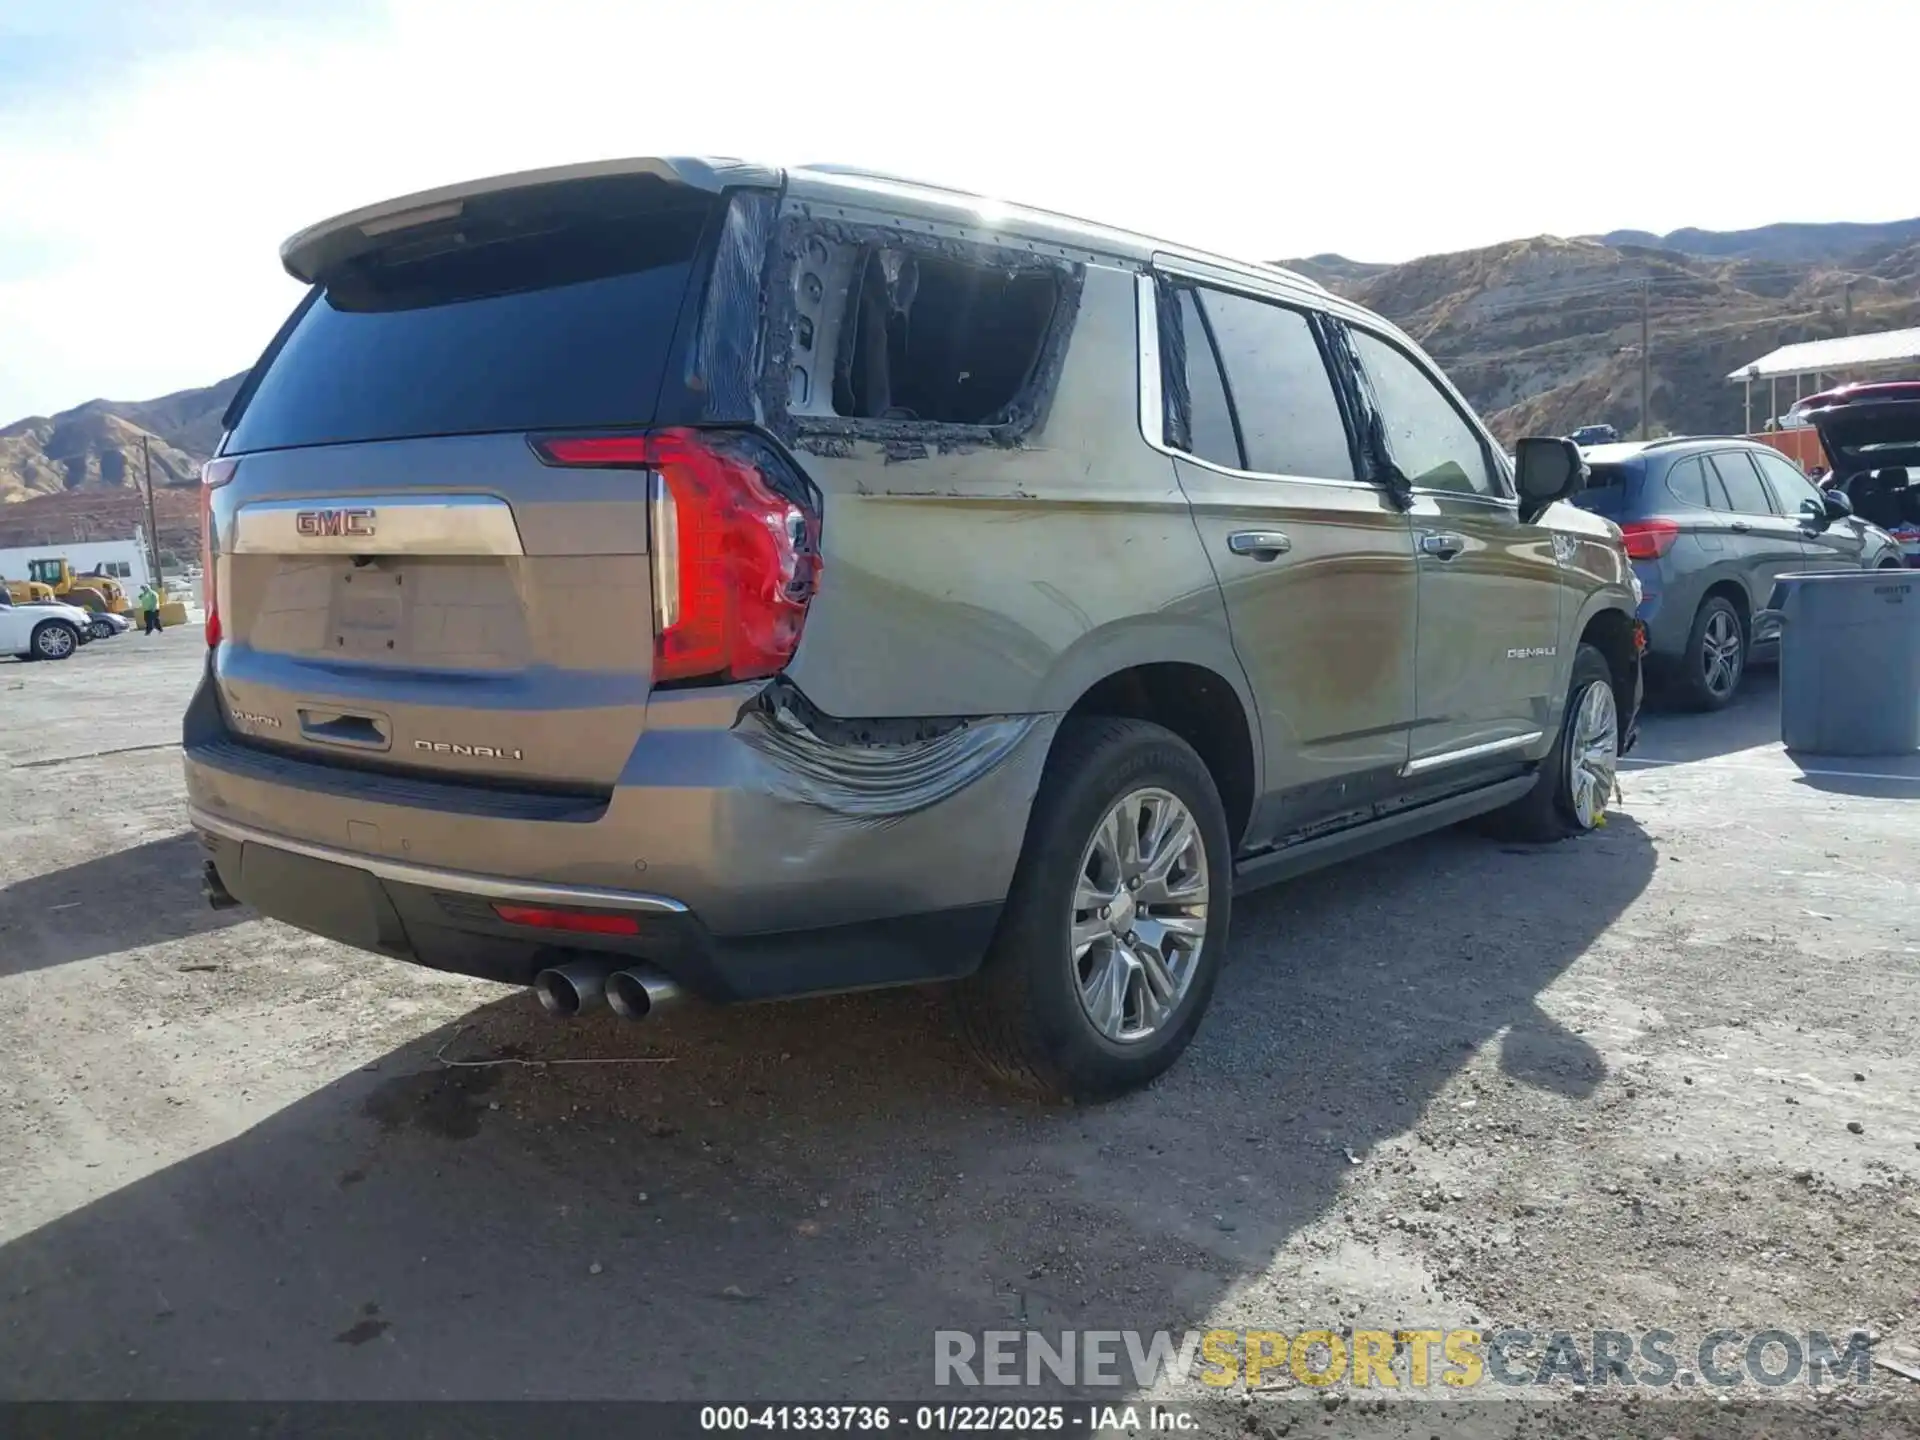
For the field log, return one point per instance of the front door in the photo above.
(1828, 544)
(1316, 565)
(1487, 661)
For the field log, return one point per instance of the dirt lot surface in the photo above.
(1663, 1077)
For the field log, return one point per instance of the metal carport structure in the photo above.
(1844, 356)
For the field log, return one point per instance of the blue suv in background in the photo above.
(1710, 522)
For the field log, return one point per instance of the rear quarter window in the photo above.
(556, 325)
(1687, 484)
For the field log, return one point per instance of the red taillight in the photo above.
(735, 550)
(213, 475)
(577, 922)
(1649, 539)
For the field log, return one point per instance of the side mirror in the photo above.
(1546, 469)
(1839, 504)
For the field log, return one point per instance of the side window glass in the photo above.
(1794, 491)
(1745, 494)
(1430, 439)
(1209, 418)
(1687, 483)
(1290, 419)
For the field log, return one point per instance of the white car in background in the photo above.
(42, 631)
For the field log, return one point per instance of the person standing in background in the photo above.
(149, 602)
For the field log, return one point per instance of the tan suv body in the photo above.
(660, 576)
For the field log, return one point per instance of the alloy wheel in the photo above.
(1139, 917)
(1593, 752)
(1721, 659)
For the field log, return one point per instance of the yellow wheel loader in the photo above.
(90, 592)
(26, 592)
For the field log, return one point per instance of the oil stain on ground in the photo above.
(439, 1102)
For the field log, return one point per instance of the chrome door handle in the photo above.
(1740, 527)
(1260, 544)
(1442, 546)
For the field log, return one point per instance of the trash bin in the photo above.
(1850, 661)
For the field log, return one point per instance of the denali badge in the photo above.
(320, 524)
(1537, 652)
(266, 720)
(478, 752)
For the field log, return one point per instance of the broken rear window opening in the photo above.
(938, 340)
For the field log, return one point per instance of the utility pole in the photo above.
(1646, 422)
(1847, 375)
(153, 528)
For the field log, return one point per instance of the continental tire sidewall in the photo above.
(1099, 762)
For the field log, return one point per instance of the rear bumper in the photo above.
(445, 920)
(751, 868)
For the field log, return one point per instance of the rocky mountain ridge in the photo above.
(1542, 334)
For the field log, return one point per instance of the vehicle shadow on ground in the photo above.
(140, 896)
(801, 1195)
(1750, 721)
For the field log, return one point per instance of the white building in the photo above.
(123, 560)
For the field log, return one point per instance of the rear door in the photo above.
(1764, 544)
(1315, 563)
(1488, 663)
(401, 581)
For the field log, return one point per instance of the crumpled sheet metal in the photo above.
(880, 783)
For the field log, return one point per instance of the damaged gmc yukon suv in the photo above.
(665, 577)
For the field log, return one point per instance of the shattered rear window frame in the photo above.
(909, 439)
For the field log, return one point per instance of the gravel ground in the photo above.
(1661, 1077)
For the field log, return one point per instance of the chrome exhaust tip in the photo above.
(640, 992)
(572, 989)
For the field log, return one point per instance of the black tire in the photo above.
(1691, 685)
(1548, 812)
(1022, 1014)
(101, 630)
(55, 640)
(1892, 562)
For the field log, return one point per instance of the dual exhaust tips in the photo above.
(634, 993)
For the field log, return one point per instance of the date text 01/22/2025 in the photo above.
(962, 1419)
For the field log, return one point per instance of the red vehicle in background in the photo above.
(1871, 434)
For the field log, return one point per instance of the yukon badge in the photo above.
(327, 524)
(477, 752)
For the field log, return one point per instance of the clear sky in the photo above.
(153, 153)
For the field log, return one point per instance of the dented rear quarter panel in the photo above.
(1006, 579)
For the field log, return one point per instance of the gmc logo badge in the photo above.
(320, 524)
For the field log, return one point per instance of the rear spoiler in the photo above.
(310, 253)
